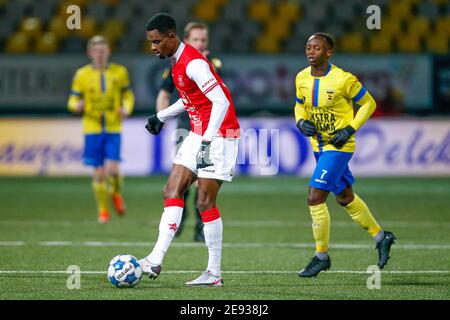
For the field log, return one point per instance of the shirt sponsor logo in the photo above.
(208, 82)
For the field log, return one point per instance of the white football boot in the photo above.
(206, 279)
(149, 268)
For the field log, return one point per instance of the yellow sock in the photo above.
(321, 226)
(101, 195)
(360, 213)
(115, 183)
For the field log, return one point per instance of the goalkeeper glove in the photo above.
(306, 127)
(341, 136)
(203, 160)
(154, 125)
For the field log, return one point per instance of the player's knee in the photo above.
(171, 193)
(204, 201)
(99, 176)
(315, 199)
(344, 199)
(317, 196)
(99, 179)
(113, 171)
(341, 201)
(202, 205)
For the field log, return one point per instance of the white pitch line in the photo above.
(12, 243)
(299, 188)
(233, 272)
(228, 223)
(238, 245)
(55, 243)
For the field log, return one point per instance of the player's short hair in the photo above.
(162, 22)
(97, 39)
(327, 37)
(194, 25)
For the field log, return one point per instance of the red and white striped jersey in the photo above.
(194, 79)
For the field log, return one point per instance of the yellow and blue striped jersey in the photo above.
(327, 101)
(104, 93)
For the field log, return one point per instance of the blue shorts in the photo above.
(99, 147)
(332, 172)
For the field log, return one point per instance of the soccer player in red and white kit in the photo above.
(208, 154)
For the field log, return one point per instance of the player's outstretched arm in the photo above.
(155, 122)
(171, 111)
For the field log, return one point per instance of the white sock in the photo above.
(170, 221)
(213, 239)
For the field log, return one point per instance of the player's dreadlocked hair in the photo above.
(327, 38)
(162, 22)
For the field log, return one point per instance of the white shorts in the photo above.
(223, 155)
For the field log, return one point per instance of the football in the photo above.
(124, 271)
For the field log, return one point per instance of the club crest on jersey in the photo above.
(330, 94)
(180, 80)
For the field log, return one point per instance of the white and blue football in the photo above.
(124, 271)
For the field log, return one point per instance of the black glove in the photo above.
(341, 136)
(154, 125)
(306, 127)
(203, 160)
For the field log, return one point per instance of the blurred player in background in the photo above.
(101, 93)
(208, 154)
(324, 112)
(195, 34)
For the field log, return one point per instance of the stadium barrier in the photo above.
(401, 147)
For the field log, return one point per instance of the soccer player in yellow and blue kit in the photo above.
(101, 92)
(324, 112)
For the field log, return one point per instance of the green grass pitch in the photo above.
(48, 224)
